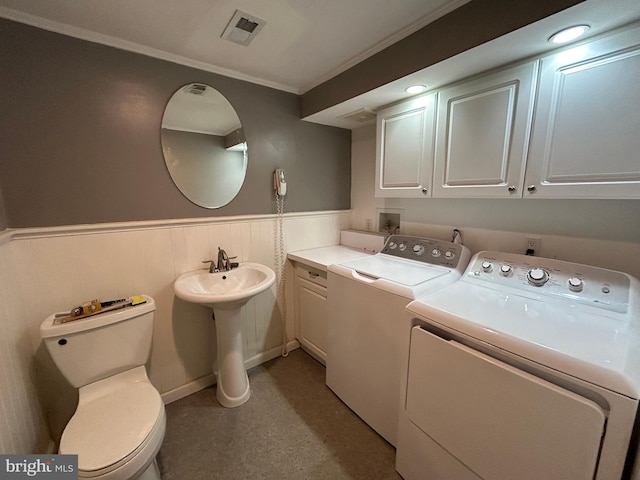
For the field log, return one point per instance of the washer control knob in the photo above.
(449, 255)
(402, 247)
(537, 277)
(418, 249)
(487, 266)
(506, 270)
(436, 252)
(393, 245)
(576, 284)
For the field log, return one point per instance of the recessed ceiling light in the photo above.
(568, 34)
(413, 89)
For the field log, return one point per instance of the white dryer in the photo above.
(526, 368)
(366, 304)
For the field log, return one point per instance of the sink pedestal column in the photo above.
(232, 388)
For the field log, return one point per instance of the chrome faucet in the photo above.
(223, 261)
(223, 264)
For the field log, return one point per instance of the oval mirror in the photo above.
(203, 145)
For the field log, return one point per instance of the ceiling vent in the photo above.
(242, 28)
(362, 115)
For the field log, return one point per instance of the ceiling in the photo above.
(303, 42)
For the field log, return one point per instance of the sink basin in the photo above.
(233, 288)
(226, 293)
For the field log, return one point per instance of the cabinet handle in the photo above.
(511, 188)
(424, 190)
(313, 274)
(531, 188)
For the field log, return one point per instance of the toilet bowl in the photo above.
(119, 424)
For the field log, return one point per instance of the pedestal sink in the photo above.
(226, 292)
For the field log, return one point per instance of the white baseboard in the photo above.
(270, 354)
(210, 379)
(188, 388)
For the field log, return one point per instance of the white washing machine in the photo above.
(526, 368)
(366, 304)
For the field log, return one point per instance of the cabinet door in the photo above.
(312, 314)
(405, 148)
(585, 140)
(482, 134)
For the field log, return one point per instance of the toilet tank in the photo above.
(97, 347)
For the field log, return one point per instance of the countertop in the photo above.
(322, 257)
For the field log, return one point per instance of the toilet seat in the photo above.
(119, 425)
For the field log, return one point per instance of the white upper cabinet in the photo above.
(586, 134)
(404, 148)
(482, 134)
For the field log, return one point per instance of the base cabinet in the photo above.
(311, 311)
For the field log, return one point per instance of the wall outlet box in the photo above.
(532, 245)
(389, 223)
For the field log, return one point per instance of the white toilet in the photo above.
(120, 421)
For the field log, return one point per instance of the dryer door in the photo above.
(499, 421)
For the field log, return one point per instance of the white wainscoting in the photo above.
(48, 270)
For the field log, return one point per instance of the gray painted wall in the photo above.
(80, 137)
(3, 215)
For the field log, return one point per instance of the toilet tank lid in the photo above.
(49, 329)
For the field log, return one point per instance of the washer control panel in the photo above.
(426, 250)
(584, 284)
